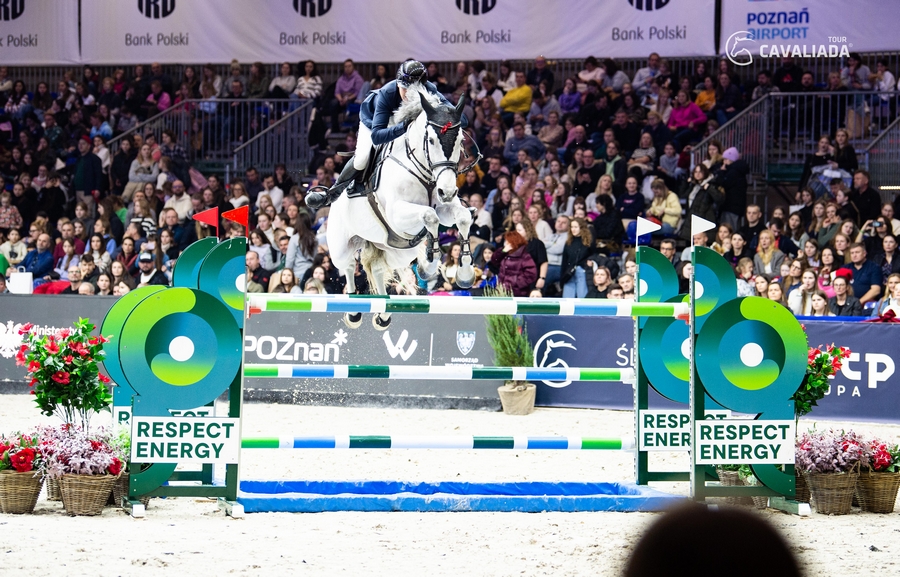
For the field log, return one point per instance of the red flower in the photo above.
(23, 460)
(26, 328)
(103, 378)
(34, 367)
(64, 333)
(52, 347)
(103, 339)
(79, 348)
(33, 382)
(845, 352)
(20, 359)
(68, 358)
(115, 468)
(93, 341)
(61, 377)
(3, 449)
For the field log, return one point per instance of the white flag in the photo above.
(699, 225)
(645, 226)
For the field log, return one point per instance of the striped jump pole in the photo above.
(259, 303)
(437, 373)
(517, 442)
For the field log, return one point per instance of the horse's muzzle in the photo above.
(447, 195)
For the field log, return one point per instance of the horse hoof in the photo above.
(463, 280)
(381, 324)
(353, 321)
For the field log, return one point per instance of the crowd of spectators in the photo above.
(569, 165)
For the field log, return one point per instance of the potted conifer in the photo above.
(509, 339)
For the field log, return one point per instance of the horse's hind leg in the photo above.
(380, 270)
(352, 320)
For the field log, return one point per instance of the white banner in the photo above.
(739, 441)
(38, 32)
(171, 31)
(831, 28)
(185, 440)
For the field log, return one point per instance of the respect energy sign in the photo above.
(739, 441)
(185, 440)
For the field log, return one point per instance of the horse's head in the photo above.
(443, 144)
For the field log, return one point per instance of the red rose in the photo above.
(23, 460)
(115, 468)
(34, 367)
(26, 328)
(61, 377)
(52, 347)
(104, 379)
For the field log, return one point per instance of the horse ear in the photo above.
(426, 106)
(461, 104)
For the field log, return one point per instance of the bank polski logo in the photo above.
(11, 9)
(156, 9)
(465, 341)
(312, 8)
(737, 48)
(547, 351)
(476, 7)
(648, 5)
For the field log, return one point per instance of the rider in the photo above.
(374, 115)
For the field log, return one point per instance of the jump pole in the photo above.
(260, 303)
(437, 373)
(467, 442)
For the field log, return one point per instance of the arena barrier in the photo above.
(746, 354)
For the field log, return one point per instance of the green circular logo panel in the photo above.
(112, 327)
(751, 356)
(180, 346)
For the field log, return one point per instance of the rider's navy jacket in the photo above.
(378, 107)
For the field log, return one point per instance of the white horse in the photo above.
(417, 192)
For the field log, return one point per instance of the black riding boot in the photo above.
(316, 199)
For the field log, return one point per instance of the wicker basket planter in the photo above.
(832, 493)
(86, 494)
(53, 493)
(803, 495)
(120, 491)
(19, 491)
(733, 479)
(877, 491)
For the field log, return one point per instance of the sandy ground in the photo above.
(192, 536)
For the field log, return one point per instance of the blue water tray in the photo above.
(526, 497)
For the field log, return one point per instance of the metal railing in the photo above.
(747, 132)
(798, 119)
(285, 141)
(211, 130)
(882, 159)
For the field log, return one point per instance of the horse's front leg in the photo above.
(451, 213)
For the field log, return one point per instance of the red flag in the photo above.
(239, 215)
(210, 217)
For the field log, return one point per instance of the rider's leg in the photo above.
(316, 199)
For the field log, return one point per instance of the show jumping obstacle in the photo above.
(516, 442)
(436, 373)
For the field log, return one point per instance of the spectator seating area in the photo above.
(98, 183)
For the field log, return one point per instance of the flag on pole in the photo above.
(699, 225)
(239, 215)
(645, 226)
(210, 217)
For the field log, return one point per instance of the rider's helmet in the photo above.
(410, 72)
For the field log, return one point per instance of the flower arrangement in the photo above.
(65, 378)
(881, 457)
(20, 453)
(830, 452)
(821, 364)
(70, 450)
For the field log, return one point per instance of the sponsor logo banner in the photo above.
(34, 32)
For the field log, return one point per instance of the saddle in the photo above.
(367, 183)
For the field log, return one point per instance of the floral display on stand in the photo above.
(822, 362)
(65, 377)
(21, 464)
(70, 450)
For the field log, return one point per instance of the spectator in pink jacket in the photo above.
(686, 121)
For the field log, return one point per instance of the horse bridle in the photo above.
(423, 172)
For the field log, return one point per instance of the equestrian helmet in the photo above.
(410, 72)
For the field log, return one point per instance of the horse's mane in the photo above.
(412, 106)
